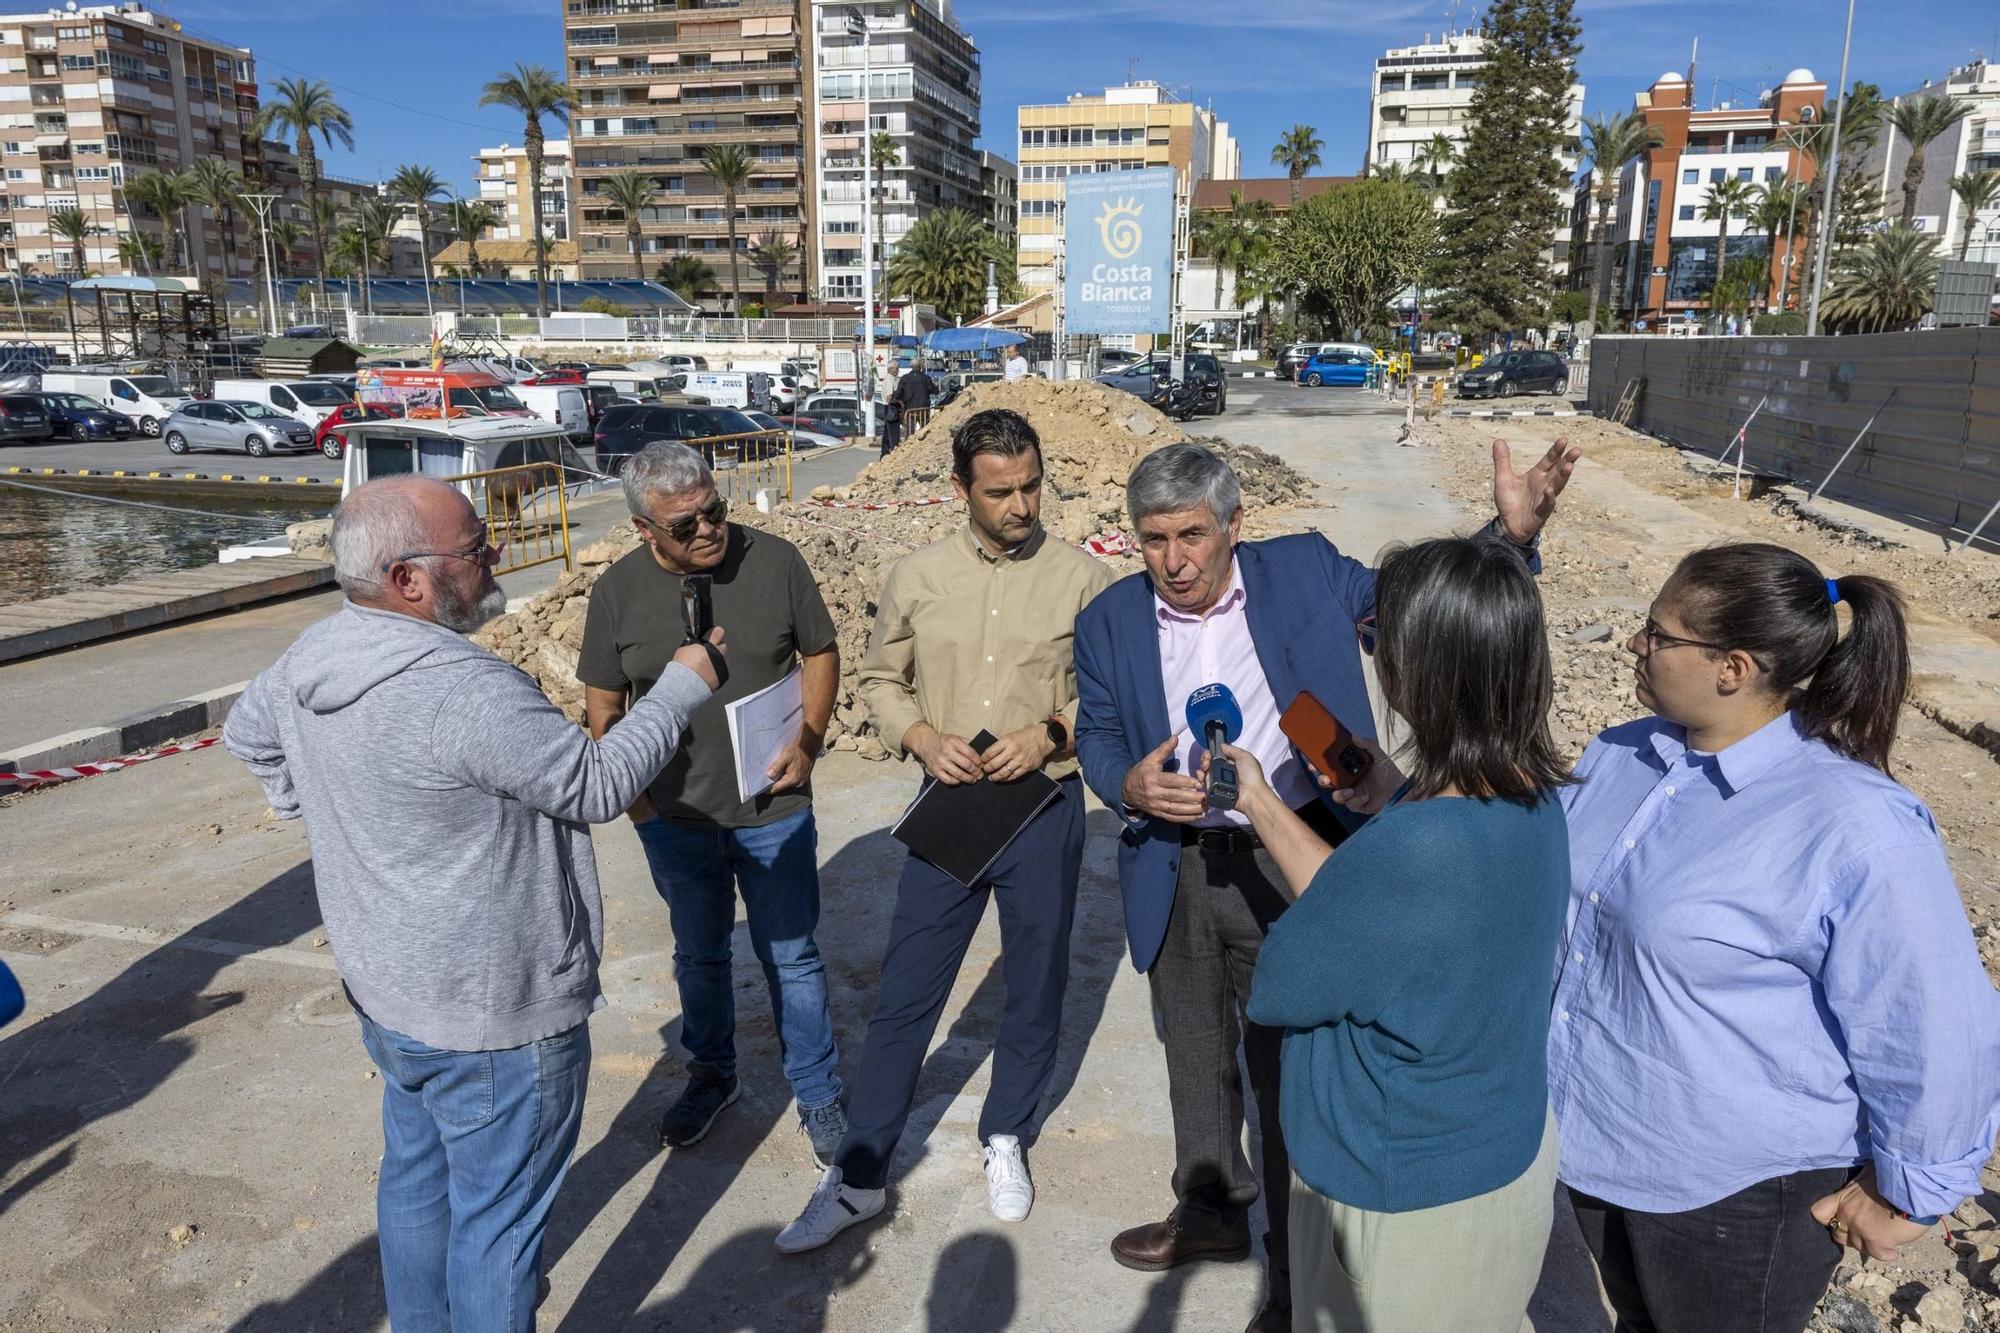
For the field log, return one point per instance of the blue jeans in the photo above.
(474, 1146)
(776, 867)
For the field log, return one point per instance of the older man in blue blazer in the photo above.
(1269, 619)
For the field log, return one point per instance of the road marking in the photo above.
(153, 939)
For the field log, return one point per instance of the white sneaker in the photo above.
(833, 1208)
(1008, 1188)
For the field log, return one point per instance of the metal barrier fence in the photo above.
(747, 464)
(570, 327)
(525, 507)
(1906, 424)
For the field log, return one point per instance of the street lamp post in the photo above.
(423, 249)
(261, 204)
(1826, 220)
(864, 374)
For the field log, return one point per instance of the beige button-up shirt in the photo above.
(969, 641)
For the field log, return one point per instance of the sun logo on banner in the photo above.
(1119, 227)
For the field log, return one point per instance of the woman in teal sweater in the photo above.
(1413, 973)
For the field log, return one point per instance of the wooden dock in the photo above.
(27, 628)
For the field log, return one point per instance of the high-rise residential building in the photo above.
(1423, 93)
(1664, 250)
(923, 110)
(504, 187)
(999, 192)
(1970, 146)
(1126, 128)
(658, 84)
(91, 99)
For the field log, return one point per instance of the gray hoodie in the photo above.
(447, 803)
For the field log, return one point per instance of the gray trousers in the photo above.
(1223, 906)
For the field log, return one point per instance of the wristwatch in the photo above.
(1058, 731)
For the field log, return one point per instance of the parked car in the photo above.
(308, 400)
(75, 417)
(1292, 357)
(563, 404)
(803, 437)
(330, 440)
(838, 402)
(556, 375)
(627, 428)
(1114, 358)
(148, 400)
(254, 428)
(1516, 372)
(1149, 379)
(1339, 367)
(839, 427)
(24, 419)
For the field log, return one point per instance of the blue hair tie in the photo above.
(1832, 591)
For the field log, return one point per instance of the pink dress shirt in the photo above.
(1216, 646)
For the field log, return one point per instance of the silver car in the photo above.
(232, 424)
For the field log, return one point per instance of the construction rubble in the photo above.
(850, 535)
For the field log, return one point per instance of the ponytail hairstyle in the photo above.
(1775, 605)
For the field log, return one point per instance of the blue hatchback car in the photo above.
(1335, 368)
(75, 417)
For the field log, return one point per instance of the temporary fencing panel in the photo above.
(1932, 455)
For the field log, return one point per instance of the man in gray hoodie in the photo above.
(447, 803)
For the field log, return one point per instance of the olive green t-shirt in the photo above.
(769, 607)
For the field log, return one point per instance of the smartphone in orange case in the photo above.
(1327, 744)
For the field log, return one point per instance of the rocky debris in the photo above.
(312, 538)
(1091, 437)
(182, 1234)
(1598, 633)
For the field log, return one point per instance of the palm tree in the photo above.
(417, 186)
(884, 153)
(1436, 158)
(1232, 239)
(687, 276)
(287, 235)
(1609, 142)
(729, 167)
(1886, 283)
(942, 261)
(630, 192)
(69, 224)
(771, 254)
(163, 193)
(140, 250)
(1976, 191)
(303, 108)
(1920, 120)
(213, 182)
(534, 91)
(469, 219)
(1727, 199)
(1298, 153)
(1774, 207)
(367, 238)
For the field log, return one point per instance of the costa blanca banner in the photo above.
(1119, 251)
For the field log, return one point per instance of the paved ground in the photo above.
(187, 1060)
(99, 683)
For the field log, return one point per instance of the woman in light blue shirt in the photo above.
(1772, 1036)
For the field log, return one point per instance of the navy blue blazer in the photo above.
(1304, 600)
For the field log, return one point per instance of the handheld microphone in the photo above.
(1213, 715)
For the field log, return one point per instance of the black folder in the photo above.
(961, 828)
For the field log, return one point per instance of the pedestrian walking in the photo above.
(1773, 1036)
(1017, 364)
(447, 801)
(1415, 1087)
(1268, 620)
(973, 635)
(705, 843)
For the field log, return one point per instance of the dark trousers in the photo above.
(1223, 906)
(892, 432)
(1034, 881)
(1755, 1262)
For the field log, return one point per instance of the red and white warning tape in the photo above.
(1116, 543)
(45, 775)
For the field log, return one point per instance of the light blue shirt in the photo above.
(1767, 969)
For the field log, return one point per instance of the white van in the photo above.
(564, 404)
(311, 401)
(147, 399)
(640, 384)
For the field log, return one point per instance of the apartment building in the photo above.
(1664, 251)
(279, 174)
(1126, 128)
(659, 82)
(1421, 92)
(504, 187)
(93, 97)
(923, 94)
(1971, 146)
(1000, 193)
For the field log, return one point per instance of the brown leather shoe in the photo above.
(1183, 1238)
(1273, 1318)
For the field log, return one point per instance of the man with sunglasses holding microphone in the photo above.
(704, 842)
(448, 803)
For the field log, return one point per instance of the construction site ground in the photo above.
(189, 1126)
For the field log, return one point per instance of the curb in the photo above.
(1520, 412)
(1254, 375)
(103, 474)
(93, 745)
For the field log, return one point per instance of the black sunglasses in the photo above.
(683, 529)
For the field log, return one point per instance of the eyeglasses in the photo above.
(1657, 638)
(486, 553)
(682, 529)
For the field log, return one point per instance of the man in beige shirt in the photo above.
(973, 634)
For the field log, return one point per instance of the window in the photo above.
(1745, 173)
(1715, 174)
(1687, 212)
(1692, 176)
(1774, 173)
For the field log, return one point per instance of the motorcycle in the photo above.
(1177, 398)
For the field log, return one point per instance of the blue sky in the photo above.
(410, 72)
